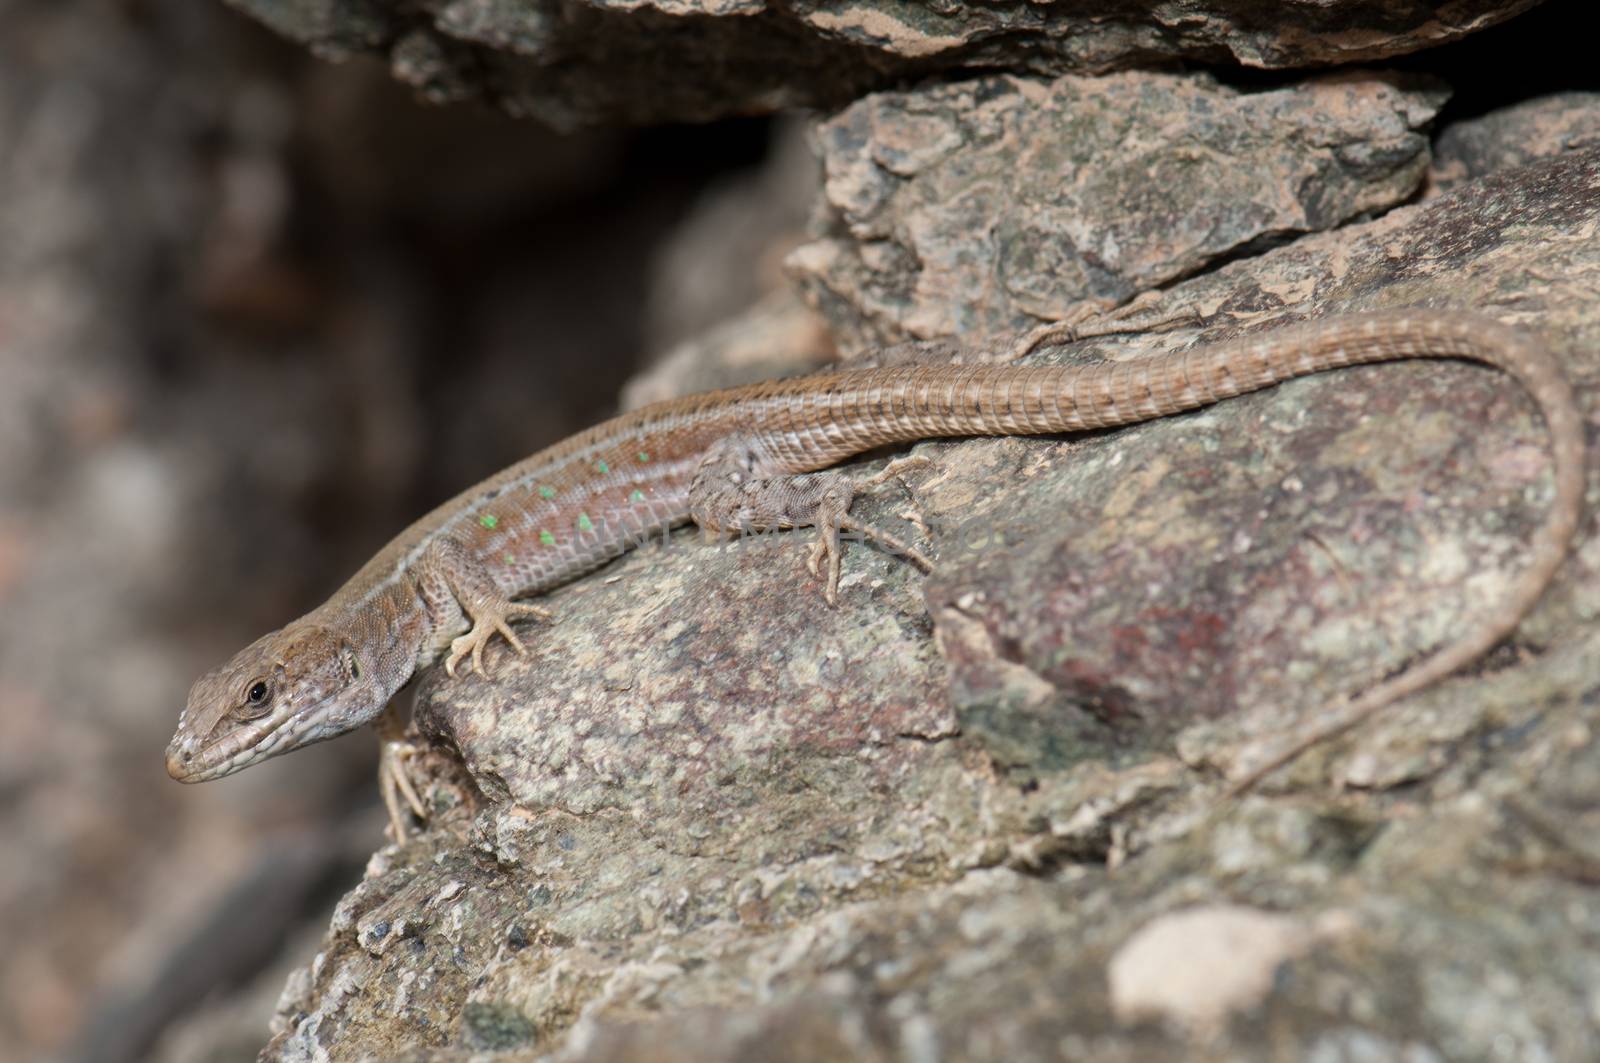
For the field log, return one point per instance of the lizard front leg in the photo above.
(458, 592)
(728, 496)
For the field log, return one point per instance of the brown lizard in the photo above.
(749, 459)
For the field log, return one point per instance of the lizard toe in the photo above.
(459, 648)
(510, 636)
(520, 609)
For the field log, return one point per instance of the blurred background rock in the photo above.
(244, 298)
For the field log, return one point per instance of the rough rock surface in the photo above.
(970, 208)
(1543, 126)
(949, 817)
(571, 62)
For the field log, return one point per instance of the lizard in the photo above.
(759, 457)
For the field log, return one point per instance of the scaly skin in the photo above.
(748, 458)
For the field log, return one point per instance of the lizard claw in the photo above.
(814, 557)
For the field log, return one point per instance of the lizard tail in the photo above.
(1536, 368)
(1011, 400)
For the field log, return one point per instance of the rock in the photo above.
(574, 64)
(776, 337)
(968, 208)
(1512, 136)
(945, 818)
(727, 255)
(1200, 966)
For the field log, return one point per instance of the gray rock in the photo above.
(974, 207)
(948, 818)
(575, 63)
(1512, 136)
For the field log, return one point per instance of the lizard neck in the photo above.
(394, 627)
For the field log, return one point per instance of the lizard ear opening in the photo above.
(352, 665)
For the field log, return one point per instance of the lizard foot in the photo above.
(1098, 318)
(895, 470)
(828, 550)
(394, 783)
(490, 619)
(395, 752)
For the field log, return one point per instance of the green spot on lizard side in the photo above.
(547, 492)
(489, 520)
(584, 523)
(644, 455)
(546, 538)
(601, 466)
(637, 496)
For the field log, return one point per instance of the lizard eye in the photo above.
(257, 698)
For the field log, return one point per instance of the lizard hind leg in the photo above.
(726, 497)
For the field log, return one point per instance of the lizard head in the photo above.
(300, 684)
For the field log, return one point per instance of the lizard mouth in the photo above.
(189, 762)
